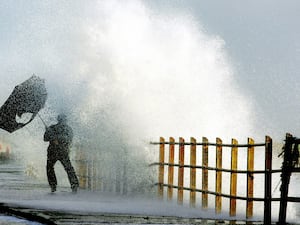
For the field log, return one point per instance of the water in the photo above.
(125, 75)
(11, 220)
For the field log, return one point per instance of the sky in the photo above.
(260, 41)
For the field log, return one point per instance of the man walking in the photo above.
(60, 137)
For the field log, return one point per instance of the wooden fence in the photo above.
(97, 174)
(90, 171)
(233, 197)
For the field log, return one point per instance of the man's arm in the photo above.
(70, 135)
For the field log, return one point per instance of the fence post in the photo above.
(193, 173)
(82, 167)
(250, 178)
(233, 177)
(171, 169)
(218, 175)
(125, 178)
(204, 172)
(95, 174)
(118, 177)
(161, 167)
(90, 174)
(180, 171)
(7, 152)
(268, 181)
(285, 177)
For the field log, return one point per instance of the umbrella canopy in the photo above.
(27, 97)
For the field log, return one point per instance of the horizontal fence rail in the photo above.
(292, 199)
(217, 169)
(209, 144)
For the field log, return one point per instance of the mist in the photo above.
(125, 74)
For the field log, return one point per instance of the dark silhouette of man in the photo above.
(60, 137)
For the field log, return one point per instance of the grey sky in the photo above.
(262, 39)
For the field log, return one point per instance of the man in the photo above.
(60, 137)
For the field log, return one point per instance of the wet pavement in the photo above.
(23, 197)
(61, 218)
(18, 191)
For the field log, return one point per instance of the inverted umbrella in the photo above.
(27, 97)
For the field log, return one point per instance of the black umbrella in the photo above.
(28, 97)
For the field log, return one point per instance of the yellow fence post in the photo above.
(124, 177)
(89, 174)
(171, 168)
(118, 178)
(204, 172)
(180, 171)
(161, 167)
(250, 167)
(7, 152)
(94, 179)
(193, 173)
(82, 167)
(218, 175)
(233, 177)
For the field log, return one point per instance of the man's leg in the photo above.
(71, 173)
(51, 173)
